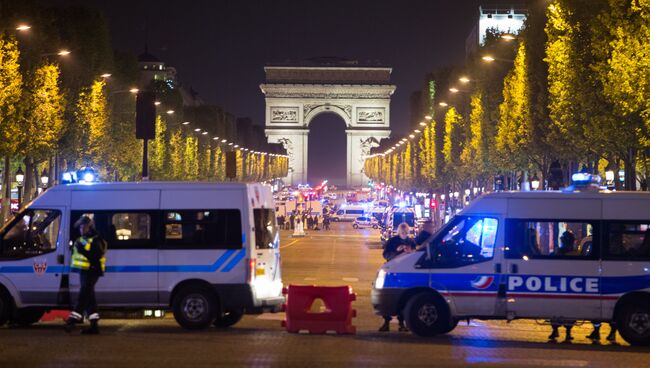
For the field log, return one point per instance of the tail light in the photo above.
(252, 263)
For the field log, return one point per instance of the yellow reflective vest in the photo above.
(79, 261)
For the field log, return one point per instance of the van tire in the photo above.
(633, 323)
(5, 307)
(195, 307)
(426, 315)
(27, 316)
(229, 318)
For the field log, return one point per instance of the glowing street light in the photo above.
(508, 36)
(453, 90)
(157, 103)
(411, 136)
(443, 104)
(488, 58)
(105, 75)
(215, 138)
(23, 27)
(63, 52)
(169, 112)
(204, 133)
(535, 182)
(428, 117)
(134, 90)
(416, 131)
(422, 123)
(188, 123)
(197, 129)
(224, 141)
(464, 79)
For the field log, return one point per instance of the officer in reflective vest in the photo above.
(89, 260)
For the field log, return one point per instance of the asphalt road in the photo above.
(342, 256)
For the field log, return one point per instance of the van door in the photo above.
(268, 276)
(31, 255)
(131, 277)
(463, 264)
(553, 269)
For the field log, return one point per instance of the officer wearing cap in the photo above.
(89, 260)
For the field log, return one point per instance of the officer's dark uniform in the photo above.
(89, 260)
(390, 252)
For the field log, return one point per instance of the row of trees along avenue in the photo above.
(570, 92)
(65, 110)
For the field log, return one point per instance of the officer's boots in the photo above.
(385, 327)
(595, 334)
(72, 320)
(93, 329)
(568, 334)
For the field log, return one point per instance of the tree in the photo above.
(11, 85)
(93, 124)
(43, 122)
(453, 144)
(475, 156)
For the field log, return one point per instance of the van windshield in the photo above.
(266, 230)
(465, 240)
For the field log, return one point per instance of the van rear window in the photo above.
(266, 230)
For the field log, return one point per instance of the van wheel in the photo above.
(633, 322)
(27, 316)
(426, 315)
(5, 308)
(229, 318)
(195, 307)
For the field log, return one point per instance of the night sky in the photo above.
(219, 48)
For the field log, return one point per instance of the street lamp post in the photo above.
(45, 179)
(535, 182)
(20, 179)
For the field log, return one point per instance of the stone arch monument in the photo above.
(296, 92)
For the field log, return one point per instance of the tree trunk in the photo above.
(6, 191)
(28, 183)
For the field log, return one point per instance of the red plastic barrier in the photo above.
(338, 312)
(54, 314)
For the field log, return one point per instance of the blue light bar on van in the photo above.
(584, 179)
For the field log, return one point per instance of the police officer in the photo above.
(425, 236)
(401, 243)
(89, 260)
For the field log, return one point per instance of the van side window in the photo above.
(467, 240)
(32, 233)
(627, 240)
(203, 229)
(122, 229)
(544, 239)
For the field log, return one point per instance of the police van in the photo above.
(554, 256)
(209, 252)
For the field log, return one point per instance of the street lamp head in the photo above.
(508, 36)
(204, 133)
(428, 117)
(105, 75)
(215, 138)
(63, 52)
(23, 27)
(20, 176)
(169, 112)
(134, 90)
(463, 79)
(224, 141)
(534, 183)
(443, 104)
(453, 90)
(45, 178)
(156, 103)
(411, 136)
(488, 58)
(197, 129)
(417, 131)
(186, 123)
(422, 123)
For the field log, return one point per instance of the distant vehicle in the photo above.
(349, 213)
(364, 222)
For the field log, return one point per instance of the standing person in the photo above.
(595, 334)
(567, 248)
(316, 222)
(89, 260)
(310, 222)
(425, 236)
(398, 244)
(326, 222)
(292, 221)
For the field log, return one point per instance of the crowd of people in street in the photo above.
(309, 221)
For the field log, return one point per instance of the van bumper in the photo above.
(237, 296)
(385, 301)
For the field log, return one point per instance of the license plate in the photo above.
(259, 272)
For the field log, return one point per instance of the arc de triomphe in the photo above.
(295, 93)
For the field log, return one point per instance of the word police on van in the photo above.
(209, 252)
(555, 256)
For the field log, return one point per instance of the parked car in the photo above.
(365, 222)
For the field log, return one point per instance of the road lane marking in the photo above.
(350, 279)
(290, 244)
(309, 279)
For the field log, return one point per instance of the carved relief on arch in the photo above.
(311, 110)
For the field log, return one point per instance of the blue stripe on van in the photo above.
(149, 268)
(235, 260)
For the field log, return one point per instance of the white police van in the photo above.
(560, 256)
(209, 252)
